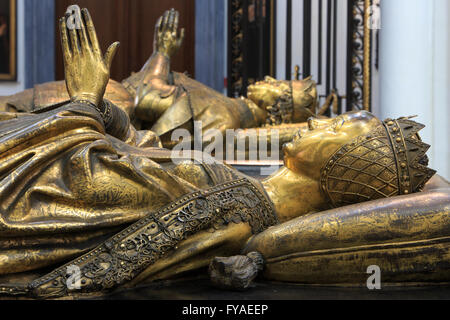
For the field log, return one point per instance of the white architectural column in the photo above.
(414, 70)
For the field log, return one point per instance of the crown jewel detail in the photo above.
(387, 162)
(409, 151)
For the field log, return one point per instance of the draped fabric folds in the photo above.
(65, 184)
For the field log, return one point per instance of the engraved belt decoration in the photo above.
(127, 254)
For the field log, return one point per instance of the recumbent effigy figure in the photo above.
(161, 100)
(81, 189)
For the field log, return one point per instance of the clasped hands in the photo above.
(87, 71)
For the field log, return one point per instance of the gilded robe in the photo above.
(66, 185)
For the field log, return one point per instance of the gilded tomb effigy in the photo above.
(83, 189)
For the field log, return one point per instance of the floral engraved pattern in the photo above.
(123, 257)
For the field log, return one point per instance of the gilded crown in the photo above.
(410, 154)
(389, 161)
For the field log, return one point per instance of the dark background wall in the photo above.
(132, 23)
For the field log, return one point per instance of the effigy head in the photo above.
(291, 101)
(266, 93)
(356, 157)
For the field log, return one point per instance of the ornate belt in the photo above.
(127, 254)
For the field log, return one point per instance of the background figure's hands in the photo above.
(87, 71)
(167, 41)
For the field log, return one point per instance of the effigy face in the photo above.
(310, 149)
(266, 93)
(285, 101)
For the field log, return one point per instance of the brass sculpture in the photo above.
(162, 101)
(79, 182)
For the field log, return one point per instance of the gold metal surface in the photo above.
(156, 98)
(87, 71)
(406, 236)
(367, 103)
(126, 213)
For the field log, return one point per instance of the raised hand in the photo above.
(167, 41)
(87, 71)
